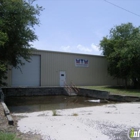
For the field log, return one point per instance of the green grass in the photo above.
(8, 136)
(55, 113)
(74, 114)
(116, 90)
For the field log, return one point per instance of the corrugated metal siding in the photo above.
(54, 62)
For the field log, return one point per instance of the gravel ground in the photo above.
(107, 122)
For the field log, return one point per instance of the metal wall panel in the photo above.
(54, 62)
(29, 75)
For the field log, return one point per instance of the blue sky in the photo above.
(79, 25)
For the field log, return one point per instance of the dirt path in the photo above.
(5, 127)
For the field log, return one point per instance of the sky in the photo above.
(78, 26)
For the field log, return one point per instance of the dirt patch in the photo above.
(5, 127)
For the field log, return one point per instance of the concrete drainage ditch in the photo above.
(99, 96)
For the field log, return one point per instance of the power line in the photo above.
(122, 8)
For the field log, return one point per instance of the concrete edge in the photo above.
(6, 110)
(7, 114)
(10, 120)
(98, 94)
(124, 98)
(117, 97)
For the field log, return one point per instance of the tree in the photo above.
(17, 21)
(122, 50)
(3, 67)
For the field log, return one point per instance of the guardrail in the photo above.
(68, 88)
(75, 88)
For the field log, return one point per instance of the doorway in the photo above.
(62, 76)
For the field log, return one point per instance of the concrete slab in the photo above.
(10, 120)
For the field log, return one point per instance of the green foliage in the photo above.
(8, 136)
(3, 71)
(55, 113)
(122, 50)
(3, 65)
(74, 114)
(3, 38)
(17, 21)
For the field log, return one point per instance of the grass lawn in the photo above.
(116, 90)
(8, 136)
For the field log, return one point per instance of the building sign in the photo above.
(81, 63)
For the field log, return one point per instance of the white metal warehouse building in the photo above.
(49, 68)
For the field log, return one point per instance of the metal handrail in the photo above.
(67, 87)
(74, 87)
(71, 88)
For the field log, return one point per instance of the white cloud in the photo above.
(95, 47)
(92, 49)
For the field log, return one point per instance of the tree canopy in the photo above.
(122, 50)
(17, 21)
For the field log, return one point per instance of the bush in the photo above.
(8, 136)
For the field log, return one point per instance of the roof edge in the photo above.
(37, 50)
